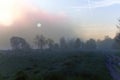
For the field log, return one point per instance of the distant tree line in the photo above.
(42, 43)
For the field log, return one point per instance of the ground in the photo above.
(54, 65)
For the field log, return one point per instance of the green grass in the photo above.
(70, 65)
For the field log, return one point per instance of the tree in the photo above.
(116, 44)
(71, 43)
(90, 44)
(56, 46)
(18, 43)
(107, 43)
(40, 41)
(77, 43)
(63, 43)
(50, 43)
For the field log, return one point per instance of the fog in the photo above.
(52, 26)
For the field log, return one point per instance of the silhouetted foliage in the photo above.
(116, 44)
(90, 44)
(18, 43)
(40, 41)
(77, 43)
(71, 43)
(56, 46)
(50, 43)
(63, 43)
(107, 43)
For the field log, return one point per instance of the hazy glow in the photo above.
(57, 18)
(39, 25)
(9, 11)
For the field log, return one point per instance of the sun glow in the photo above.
(9, 11)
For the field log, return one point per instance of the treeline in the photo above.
(43, 43)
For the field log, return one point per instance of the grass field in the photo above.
(54, 65)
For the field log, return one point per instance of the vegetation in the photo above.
(71, 59)
(55, 65)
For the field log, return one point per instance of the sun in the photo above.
(6, 15)
(8, 11)
(39, 25)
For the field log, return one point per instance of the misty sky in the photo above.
(69, 18)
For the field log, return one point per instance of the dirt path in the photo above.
(110, 64)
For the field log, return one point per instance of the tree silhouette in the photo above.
(63, 43)
(50, 43)
(116, 44)
(107, 43)
(71, 43)
(56, 46)
(90, 44)
(18, 43)
(40, 41)
(77, 43)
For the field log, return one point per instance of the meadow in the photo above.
(53, 65)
